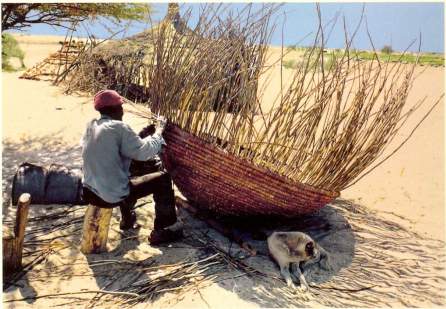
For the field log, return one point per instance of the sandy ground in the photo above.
(383, 228)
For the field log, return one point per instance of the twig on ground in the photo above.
(73, 293)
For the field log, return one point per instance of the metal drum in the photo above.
(31, 179)
(56, 185)
(62, 185)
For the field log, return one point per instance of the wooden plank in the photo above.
(95, 229)
(13, 238)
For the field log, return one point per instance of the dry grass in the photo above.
(373, 262)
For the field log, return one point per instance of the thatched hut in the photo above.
(121, 64)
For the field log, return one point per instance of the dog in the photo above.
(295, 250)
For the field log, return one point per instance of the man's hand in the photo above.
(162, 121)
(147, 131)
(161, 125)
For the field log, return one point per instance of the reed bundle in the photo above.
(325, 129)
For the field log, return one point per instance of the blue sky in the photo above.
(395, 24)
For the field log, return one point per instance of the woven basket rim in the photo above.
(195, 139)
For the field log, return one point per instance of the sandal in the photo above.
(165, 235)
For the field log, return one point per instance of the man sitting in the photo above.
(108, 148)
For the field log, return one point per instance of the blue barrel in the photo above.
(62, 185)
(55, 185)
(31, 179)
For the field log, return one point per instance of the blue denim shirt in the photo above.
(108, 146)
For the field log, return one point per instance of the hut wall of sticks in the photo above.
(326, 128)
(56, 63)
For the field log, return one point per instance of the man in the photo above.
(108, 148)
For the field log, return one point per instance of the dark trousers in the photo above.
(157, 183)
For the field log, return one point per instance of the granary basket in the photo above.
(228, 185)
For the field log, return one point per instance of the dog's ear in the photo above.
(286, 247)
(282, 236)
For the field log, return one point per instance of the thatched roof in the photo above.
(122, 64)
(142, 43)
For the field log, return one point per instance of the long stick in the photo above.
(73, 293)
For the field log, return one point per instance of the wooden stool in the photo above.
(13, 237)
(95, 229)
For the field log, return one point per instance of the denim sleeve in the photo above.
(136, 148)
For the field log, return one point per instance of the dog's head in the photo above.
(310, 250)
(300, 246)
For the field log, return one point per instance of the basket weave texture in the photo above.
(228, 185)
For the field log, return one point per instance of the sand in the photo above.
(399, 212)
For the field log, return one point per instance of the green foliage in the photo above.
(387, 49)
(20, 15)
(10, 49)
(292, 48)
(429, 59)
(116, 11)
(297, 48)
(329, 61)
(290, 64)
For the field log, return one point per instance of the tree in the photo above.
(387, 49)
(10, 49)
(21, 15)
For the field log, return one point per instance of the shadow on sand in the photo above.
(265, 286)
(41, 151)
(376, 262)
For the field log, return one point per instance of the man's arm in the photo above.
(141, 149)
(147, 131)
(86, 134)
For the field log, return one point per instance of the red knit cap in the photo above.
(107, 98)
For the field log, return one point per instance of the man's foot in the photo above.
(163, 236)
(129, 223)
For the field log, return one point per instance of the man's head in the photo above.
(109, 102)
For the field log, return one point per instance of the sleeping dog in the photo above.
(295, 250)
